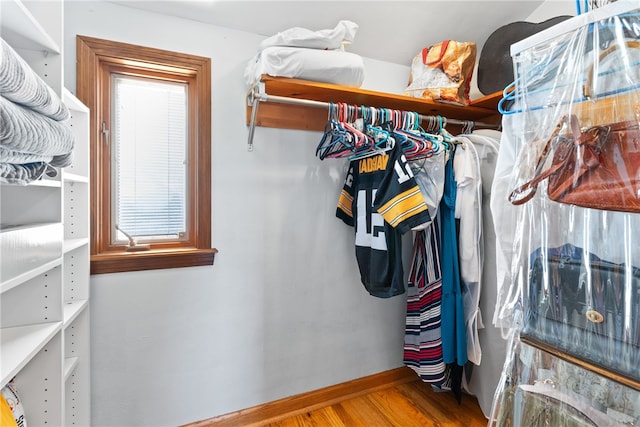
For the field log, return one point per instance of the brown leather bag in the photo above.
(598, 167)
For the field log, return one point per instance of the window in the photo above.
(148, 159)
(150, 155)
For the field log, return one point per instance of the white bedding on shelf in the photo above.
(331, 39)
(328, 66)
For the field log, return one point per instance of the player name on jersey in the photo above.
(373, 164)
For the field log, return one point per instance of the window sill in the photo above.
(116, 262)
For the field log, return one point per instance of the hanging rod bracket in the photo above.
(253, 100)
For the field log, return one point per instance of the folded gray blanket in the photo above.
(16, 157)
(28, 137)
(20, 84)
(24, 174)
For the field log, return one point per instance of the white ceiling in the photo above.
(392, 30)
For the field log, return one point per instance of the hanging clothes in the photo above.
(423, 339)
(484, 378)
(454, 340)
(468, 214)
(381, 200)
(469, 164)
(429, 174)
(506, 217)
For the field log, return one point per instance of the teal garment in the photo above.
(454, 332)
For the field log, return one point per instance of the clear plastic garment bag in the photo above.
(569, 248)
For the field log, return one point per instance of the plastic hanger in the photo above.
(375, 150)
(335, 141)
(380, 138)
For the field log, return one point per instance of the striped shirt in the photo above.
(423, 340)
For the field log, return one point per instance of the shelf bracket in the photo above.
(253, 100)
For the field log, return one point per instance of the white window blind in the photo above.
(149, 155)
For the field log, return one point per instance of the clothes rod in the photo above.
(256, 97)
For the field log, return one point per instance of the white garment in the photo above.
(343, 33)
(485, 377)
(468, 211)
(466, 170)
(469, 201)
(505, 219)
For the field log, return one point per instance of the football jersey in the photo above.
(381, 200)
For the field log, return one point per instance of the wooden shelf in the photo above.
(288, 116)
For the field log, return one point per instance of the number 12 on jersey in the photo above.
(370, 224)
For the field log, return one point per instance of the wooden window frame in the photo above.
(97, 59)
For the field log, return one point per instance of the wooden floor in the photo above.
(412, 404)
(391, 398)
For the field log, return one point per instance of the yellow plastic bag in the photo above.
(443, 72)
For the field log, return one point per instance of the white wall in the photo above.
(551, 8)
(282, 311)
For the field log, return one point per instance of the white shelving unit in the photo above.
(44, 248)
